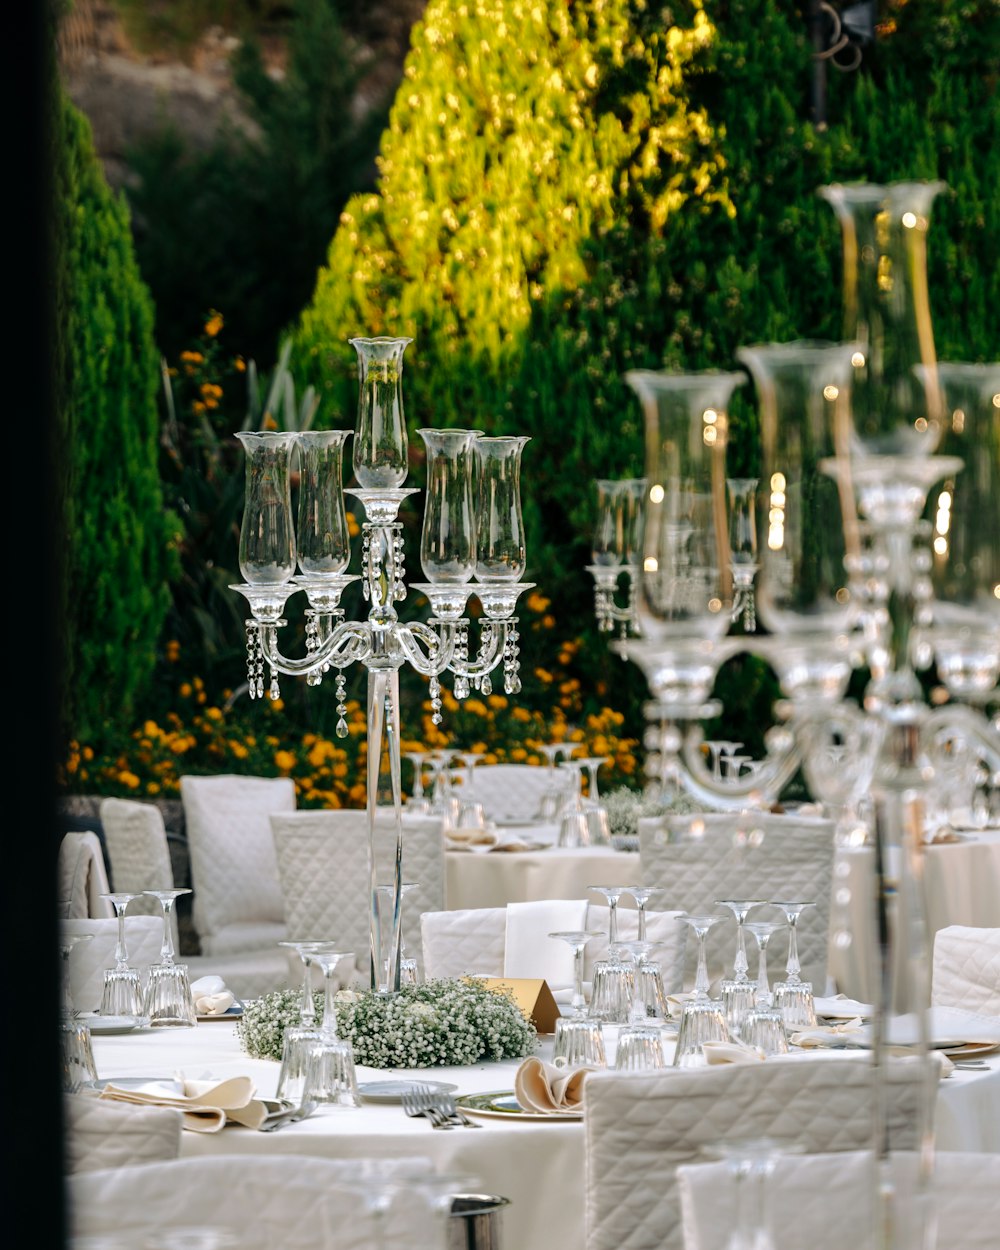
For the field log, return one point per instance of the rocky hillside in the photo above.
(127, 93)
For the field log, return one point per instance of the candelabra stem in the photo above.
(383, 715)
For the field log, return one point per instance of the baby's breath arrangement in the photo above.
(625, 806)
(440, 1023)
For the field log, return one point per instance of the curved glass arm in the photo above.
(966, 722)
(440, 647)
(350, 641)
(764, 782)
(491, 649)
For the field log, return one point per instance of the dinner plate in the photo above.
(393, 1091)
(969, 1049)
(233, 1013)
(502, 1104)
(108, 1026)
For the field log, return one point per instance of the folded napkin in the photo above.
(846, 1033)
(207, 1105)
(841, 1007)
(939, 837)
(211, 998)
(528, 949)
(471, 838)
(731, 1052)
(675, 1002)
(544, 1088)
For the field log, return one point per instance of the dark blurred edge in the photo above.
(32, 1092)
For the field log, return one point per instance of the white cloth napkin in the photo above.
(847, 1033)
(207, 1105)
(548, 1090)
(211, 998)
(840, 1007)
(530, 952)
(731, 1052)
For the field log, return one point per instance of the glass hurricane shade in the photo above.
(267, 536)
(380, 444)
(322, 539)
(448, 537)
(617, 535)
(500, 551)
(684, 581)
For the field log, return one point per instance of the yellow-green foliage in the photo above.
(553, 122)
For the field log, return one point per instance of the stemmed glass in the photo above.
(764, 1025)
(640, 1042)
(471, 812)
(418, 801)
(579, 1039)
(330, 1076)
(298, 1038)
(574, 827)
(738, 991)
(750, 1163)
(649, 985)
(597, 815)
(703, 1019)
(443, 800)
(78, 1067)
(794, 997)
(168, 1000)
(122, 994)
(613, 980)
(554, 794)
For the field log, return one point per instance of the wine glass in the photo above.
(649, 976)
(574, 826)
(418, 801)
(703, 1019)
(793, 996)
(297, 1038)
(613, 980)
(78, 1067)
(330, 1075)
(443, 801)
(553, 796)
(122, 994)
(764, 1025)
(471, 813)
(407, 967)
(738, 991)
(750, 1162)
(640, 1042)
(168, 1001)
(579, 1039)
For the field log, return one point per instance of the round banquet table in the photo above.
(536, 1163)
(496, 878)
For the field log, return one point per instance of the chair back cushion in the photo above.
(101, 1134)
(135, 839)
(323, 870)
(966, 969)
(456, 943)
(639, 1128)
(234, 872)
(82, 877)
(87, 960)
(699, 859)
(509, 791)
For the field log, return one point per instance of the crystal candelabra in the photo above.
(472, 529)
(878, 503)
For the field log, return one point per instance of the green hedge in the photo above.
(117, 539)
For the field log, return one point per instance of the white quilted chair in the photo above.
(237, 903)
(323, 869)
(509, 791)
(456, 943)
(135, 838)
(140, 860)
(100, 1134)
(965, 970)
(295, 1201)
(824, 1201)
(639, 1128)
(700, 858)
(87, 960)
(82, 877)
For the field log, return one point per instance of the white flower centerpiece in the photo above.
(440, 1023)
(625, 807)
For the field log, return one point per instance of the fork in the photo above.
(420, 1102)
(454, 1112)
(291, 1116)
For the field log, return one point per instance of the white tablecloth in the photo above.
(961, 886)
(496, 878)
(538, 1165)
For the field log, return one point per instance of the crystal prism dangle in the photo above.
(511, 664)
(341, 687)
(435, 693)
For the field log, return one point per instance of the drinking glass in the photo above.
(649, 985)
(703, 1019)
(122, 994)
(574, 827)
(738, 991)
(298, 1038)
(579, 1039)
(614, 981)
(471, 814)
(444, 801)
(640, 1042)
(168, 1003)
(78, 1067)
(597, 814)
(794, 997)
(330, 1076)
(417, 802)
(750, 1162)
(764, 1024)
(554, 794)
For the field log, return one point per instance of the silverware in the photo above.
(451, 1109)
(421, 1102)
(291, 1116)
